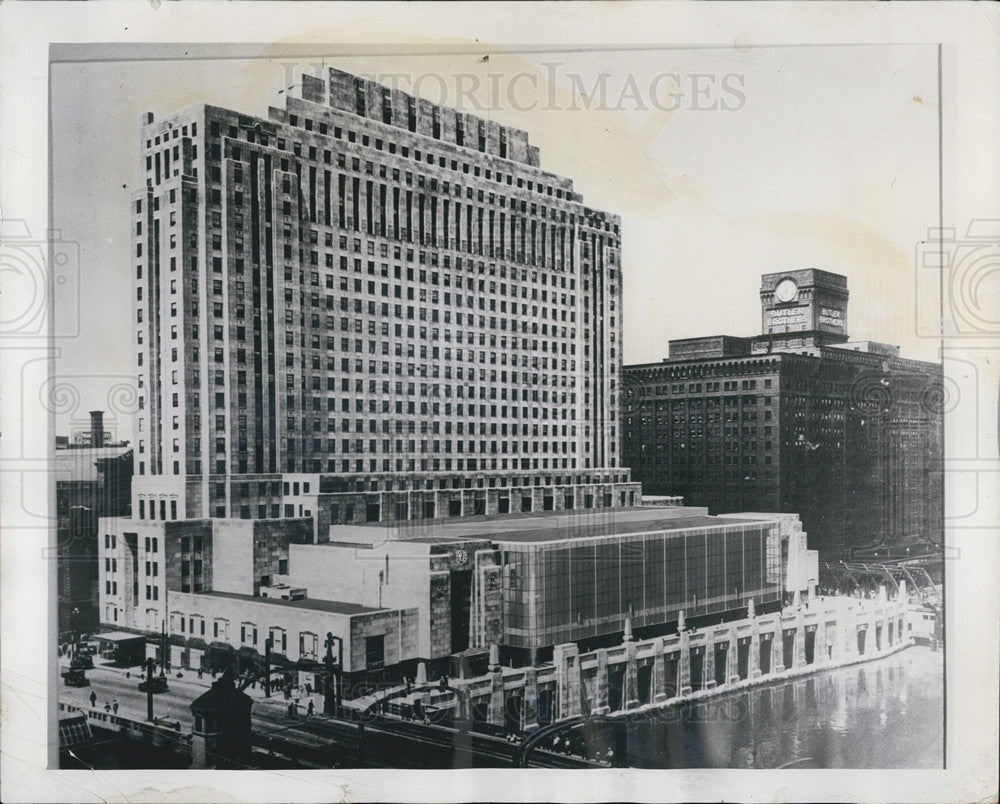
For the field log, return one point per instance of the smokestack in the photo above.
(97, 428)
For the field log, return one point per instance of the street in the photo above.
(112, 683)
(330, 741)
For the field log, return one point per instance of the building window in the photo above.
(308, 645)
(279, 640)
(248, 634)
(375, 652)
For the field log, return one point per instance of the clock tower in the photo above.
(804, 308)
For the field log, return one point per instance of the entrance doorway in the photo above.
(461, 606)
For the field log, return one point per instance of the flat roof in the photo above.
(316, 604)
(545, 526)
(118, 636)
(620, 529)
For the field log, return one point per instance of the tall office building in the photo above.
(798, 419)
(367, 307)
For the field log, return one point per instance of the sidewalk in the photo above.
(189, 679)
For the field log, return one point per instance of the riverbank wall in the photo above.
(806, 637)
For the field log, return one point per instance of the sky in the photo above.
(723, 164)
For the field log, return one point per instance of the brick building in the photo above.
(91, 482)
(798, 419)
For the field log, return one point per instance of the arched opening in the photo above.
(644, 677)
(766, 646)
(697, 668)
(721, 653)
(743, 658)
(787, 648)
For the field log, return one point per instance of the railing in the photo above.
(156, 732)
(808, 621)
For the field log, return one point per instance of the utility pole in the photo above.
(164, 647)
(150, 669)
(267, 666)
(333, 675)
(360, 760)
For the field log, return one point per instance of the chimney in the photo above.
(97, 428)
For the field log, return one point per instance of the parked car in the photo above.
(76, 677)
(82, 661)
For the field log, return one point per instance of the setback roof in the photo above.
(81, 463)
(332, 606)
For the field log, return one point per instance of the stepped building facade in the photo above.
(368, 307)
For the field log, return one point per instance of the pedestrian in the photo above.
(114, 706)
(93, 699)
(309, 690)
(291, 711)
(312, 707)
(107, 706)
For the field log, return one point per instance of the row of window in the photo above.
(292, 463)
(152, 508)
(194, 625)
(408, 152)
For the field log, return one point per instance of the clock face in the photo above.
(786, 290)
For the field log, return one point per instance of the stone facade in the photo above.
(637, 674)
(364, 286)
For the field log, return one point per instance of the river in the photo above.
(887, 713)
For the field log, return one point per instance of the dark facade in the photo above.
(577, 589)
(800, 419)
(90, 483)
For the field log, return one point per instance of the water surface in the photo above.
(888, 713)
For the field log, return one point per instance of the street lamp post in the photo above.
(150, 668)
(268, 643)
(333, 674)
(164, 648)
